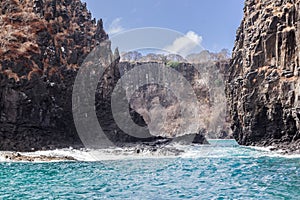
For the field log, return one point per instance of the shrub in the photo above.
(173, 64)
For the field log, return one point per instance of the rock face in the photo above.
(163, 111)
(263, 85)
(42, 46)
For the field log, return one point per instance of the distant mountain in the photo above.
(202, 57)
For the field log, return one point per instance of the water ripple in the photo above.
(204, 173)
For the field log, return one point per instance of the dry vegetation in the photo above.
(20, 26)
(18, 32)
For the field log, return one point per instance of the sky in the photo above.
(211, 24)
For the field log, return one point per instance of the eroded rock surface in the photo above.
(165, 109)
(263, 85)
(42, 46)
(43, 43)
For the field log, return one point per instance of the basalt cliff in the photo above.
(263, 85)
(42, 44)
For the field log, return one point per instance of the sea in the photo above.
(222, 170)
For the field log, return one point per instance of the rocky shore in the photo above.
(263, 82)
(161, 147)
(19, 157)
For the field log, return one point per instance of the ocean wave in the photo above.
(217, 149)
(274, 153)
(88, 155)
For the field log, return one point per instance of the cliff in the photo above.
(263, 85)
(43, 44)
(163, 109)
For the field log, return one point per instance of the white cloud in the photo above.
(115, 27)
(186, 44)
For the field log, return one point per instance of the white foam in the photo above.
(267, 149)
(80, 155)
(2, 157)
(276, 153)
(171, 151)
(87, 155)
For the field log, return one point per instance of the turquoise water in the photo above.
(222, 171)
